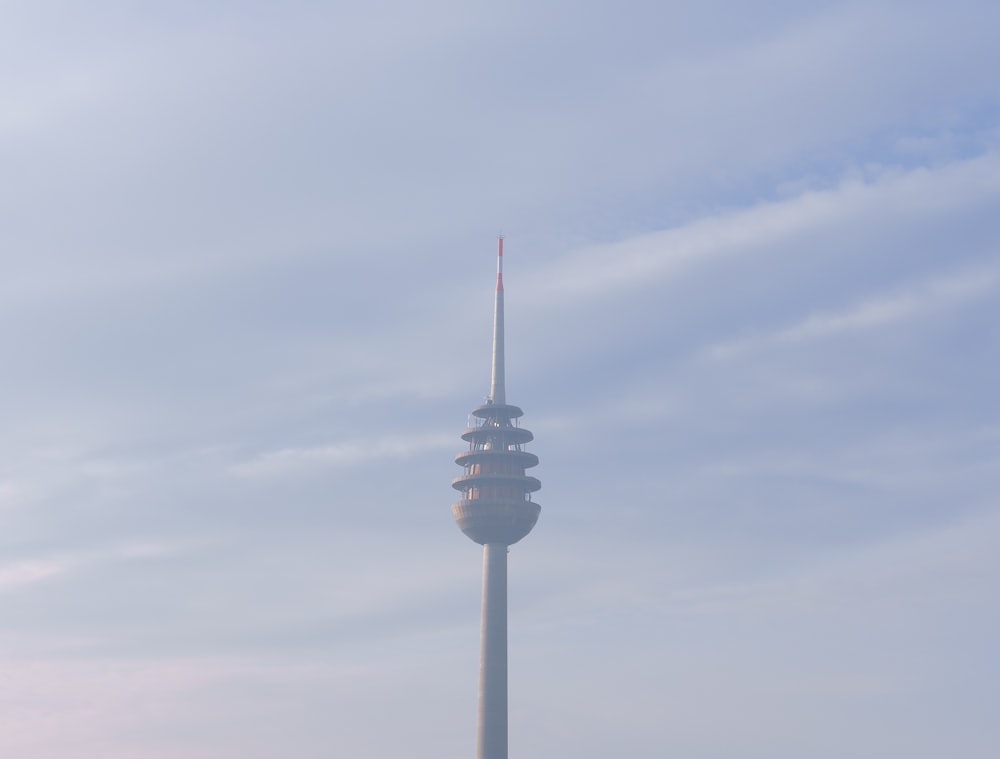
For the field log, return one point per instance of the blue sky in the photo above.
(752, 277)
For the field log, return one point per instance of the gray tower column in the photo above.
(491, 743)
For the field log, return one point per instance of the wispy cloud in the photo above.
(20, 574)
(883, 192)
(899, 306)
(344, 454)
(910, 567)
(15, 493)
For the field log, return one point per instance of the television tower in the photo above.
(496, 511)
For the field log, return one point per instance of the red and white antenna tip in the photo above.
(499, 262)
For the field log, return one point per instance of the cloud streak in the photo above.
(914, 302)
(290, 461)
(22, 574)
(887, 194)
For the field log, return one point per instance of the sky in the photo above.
(752, 277)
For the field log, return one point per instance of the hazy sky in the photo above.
(753, 265)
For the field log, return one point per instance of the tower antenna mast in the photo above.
(498, 391)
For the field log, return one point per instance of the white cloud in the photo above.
(904, 304)
(24, 573)
(18, 574)
(888, 196)
(289, 461)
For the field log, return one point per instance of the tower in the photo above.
(496, 511)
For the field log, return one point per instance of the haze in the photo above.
(751, 276)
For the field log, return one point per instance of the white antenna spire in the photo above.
(497, 392)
